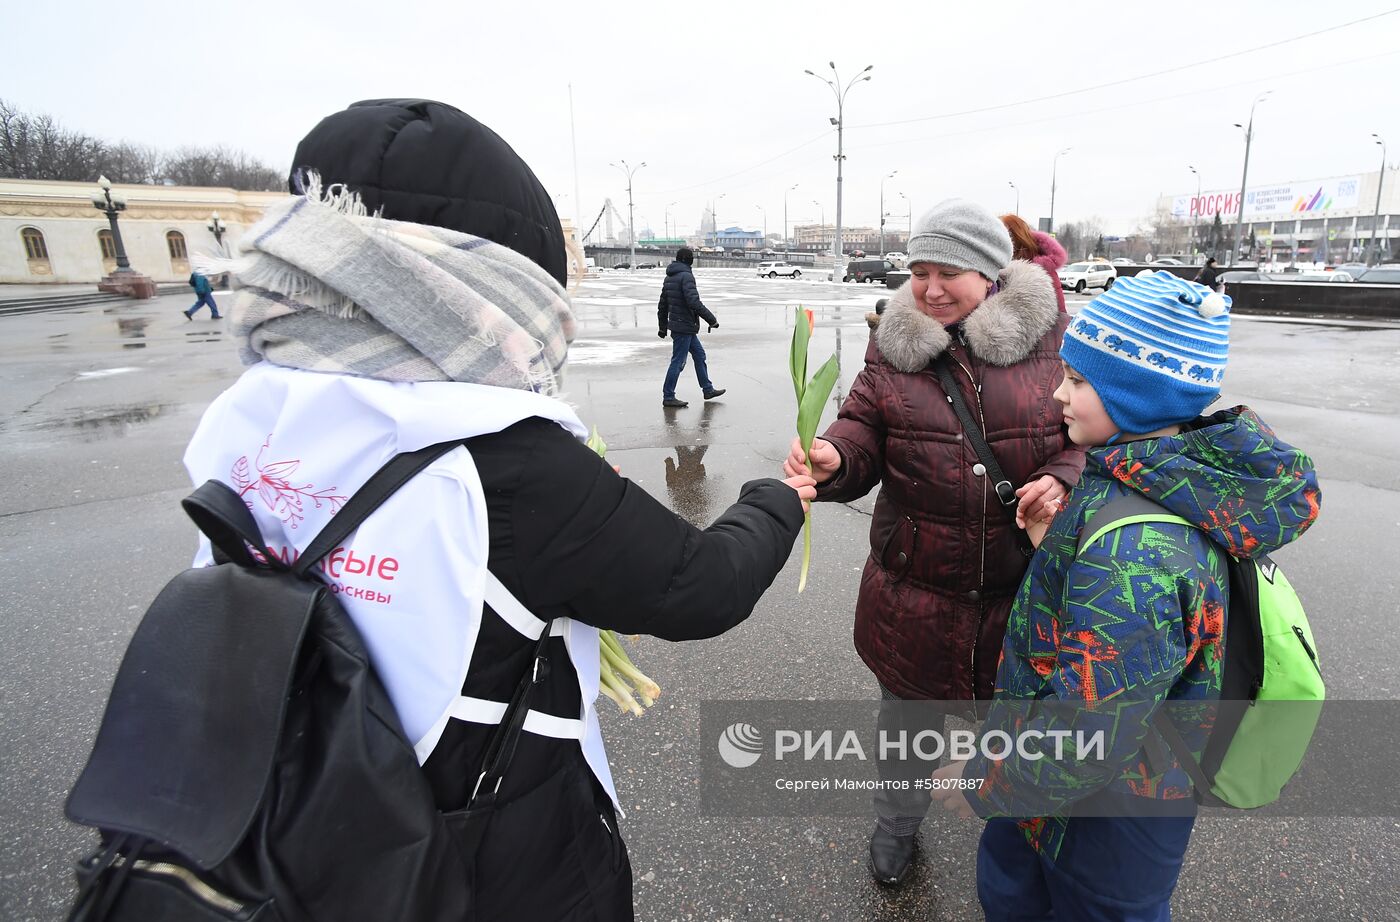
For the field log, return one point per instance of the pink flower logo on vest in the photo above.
(281, 497)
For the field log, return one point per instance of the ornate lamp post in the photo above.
(124, 280)
(218, 228)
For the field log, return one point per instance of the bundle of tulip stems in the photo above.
(811, 400)
(618, 676)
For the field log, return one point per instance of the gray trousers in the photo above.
(900, 812)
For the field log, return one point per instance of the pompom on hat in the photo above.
(1154, 347)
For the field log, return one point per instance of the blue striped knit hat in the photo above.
(1154, 348)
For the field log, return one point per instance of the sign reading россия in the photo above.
(1295, 198)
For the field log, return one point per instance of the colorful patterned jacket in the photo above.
(1139, 616)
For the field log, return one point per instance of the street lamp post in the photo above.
(1376, 215)
(714, 219)
(112, 205)
(1018, 197)
(666, 220)
(823, 213)
(840, 123)
(217, 227)
(631, 226)
(1196, 213)
(882, 212)
(1244, 175)
(787, 241)
(765, 226)
(909, 216)
(1054, 171)
(125, 280)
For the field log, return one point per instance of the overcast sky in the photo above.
(712, 95)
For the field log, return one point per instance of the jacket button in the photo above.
(979, 470)
(974, 596)
(901, 559)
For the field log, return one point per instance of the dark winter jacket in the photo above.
(1137, 617)
(680, 310)
(1052, 258)
(570, 538)
(1209, 276)
(944, 563)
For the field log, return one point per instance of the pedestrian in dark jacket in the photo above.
(1210, 275)
(369, 316)
(680, 311)
(944, 561)
(205, 295)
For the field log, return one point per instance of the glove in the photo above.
(713, 327)
(661, 333)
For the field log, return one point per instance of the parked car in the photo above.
(1167, 261)
(1312, 276)
(1389, 274)
(648, 266)
(867, 270)
(774, 268)
(856, 254)
(1121, 261)
(1242, 275)
(1079, 276)
(1354, 268)
(894, 279)
(623, 266)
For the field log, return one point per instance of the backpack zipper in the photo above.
(1302, 639)
(197, 887)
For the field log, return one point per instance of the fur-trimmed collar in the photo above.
(1002, 330)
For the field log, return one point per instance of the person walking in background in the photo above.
(680, 311)
(1040, 248)
(945, 558)
(1209, 275)
(205, 292)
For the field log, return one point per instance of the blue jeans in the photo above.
(683, 344)
(206, 298)
(1122, 869)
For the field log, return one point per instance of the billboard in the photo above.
(1315, 197)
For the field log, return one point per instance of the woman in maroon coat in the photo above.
(944, 563)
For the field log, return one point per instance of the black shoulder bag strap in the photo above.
(1005, 489)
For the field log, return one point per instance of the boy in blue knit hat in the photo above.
(1104, 635)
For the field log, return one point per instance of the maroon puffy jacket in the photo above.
(944, 564)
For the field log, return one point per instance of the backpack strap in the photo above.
(1130, 509)
(1124, 510)
(385, 483)
(1005, 490)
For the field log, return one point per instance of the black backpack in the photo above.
(251, 766)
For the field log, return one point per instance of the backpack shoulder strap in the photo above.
(1125, 510)
(386, 481)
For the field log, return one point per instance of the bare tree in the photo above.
(38, 147)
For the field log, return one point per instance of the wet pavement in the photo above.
(97, 404)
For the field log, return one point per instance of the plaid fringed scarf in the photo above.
(322, 286)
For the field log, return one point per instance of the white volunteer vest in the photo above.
(297, 444)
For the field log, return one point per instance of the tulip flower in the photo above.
(811, 400)
(618, 676)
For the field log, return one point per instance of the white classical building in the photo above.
(50, 233)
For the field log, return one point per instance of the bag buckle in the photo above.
(1006, 493)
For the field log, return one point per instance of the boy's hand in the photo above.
(948, 794)
(1041, 499)
(824, 460)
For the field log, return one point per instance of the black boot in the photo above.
(890, 856)
(674, 402)
(714, 392)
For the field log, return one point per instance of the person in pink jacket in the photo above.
(1039, 248)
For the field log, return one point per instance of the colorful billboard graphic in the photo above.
(1297, 198)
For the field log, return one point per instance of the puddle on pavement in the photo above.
(93, 423)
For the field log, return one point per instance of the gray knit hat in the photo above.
(960, 233)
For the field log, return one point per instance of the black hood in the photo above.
(428, 163)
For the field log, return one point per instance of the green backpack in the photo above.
(1271, 691)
